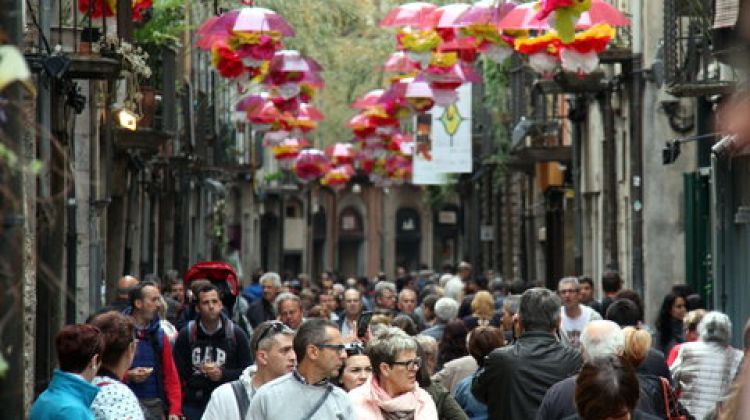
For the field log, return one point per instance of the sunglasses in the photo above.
(410, 364)
(338, 347)
(274, 327)
(354, 349)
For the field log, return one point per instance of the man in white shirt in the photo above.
(574, 316)
(274, 357)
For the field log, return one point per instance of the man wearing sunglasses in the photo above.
(306, 393)
(274, 357)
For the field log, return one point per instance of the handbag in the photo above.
(672, 407)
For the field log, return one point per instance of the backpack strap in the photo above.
(320, 402)
(192, 332)
(103, 384)
(240, 394)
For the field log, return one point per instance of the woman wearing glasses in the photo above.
(393, 392)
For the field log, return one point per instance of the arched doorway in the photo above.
(445, 246)
(408, 238)
(351, 243)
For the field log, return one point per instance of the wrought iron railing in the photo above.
(690, 67)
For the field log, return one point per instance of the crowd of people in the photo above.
(452, 345)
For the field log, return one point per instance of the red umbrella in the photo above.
(524, 17)
(259, 19)
(408, 14)
(448, 16)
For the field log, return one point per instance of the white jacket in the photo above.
(704, 371)
(223, 404)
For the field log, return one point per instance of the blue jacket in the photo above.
(67, 397)
(148, 353)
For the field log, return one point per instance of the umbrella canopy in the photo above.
(448, 16)
(369, 99)
(259, 19)
(408, 14)
(399, 62)
(340, 153)
(601, 12)
(293, 61)
(485, 13)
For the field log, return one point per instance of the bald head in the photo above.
(125, 285)
(601, 339)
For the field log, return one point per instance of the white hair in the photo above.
(601, 339)
(446, 309)
(271, 276)
(444, 279)
(715, 327)
(454, 288)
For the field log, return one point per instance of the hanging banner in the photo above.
(424, 170)
(451, 134)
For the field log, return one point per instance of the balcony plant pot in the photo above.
(90, 37)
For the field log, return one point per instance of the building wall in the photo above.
(664, 238)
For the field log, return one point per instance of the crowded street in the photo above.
(374, 209)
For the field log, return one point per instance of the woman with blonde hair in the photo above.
(482, 312)
(635, 351)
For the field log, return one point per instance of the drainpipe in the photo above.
(610, 181)
(577, 116)
(636, 170)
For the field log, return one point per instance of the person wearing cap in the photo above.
(274, 357)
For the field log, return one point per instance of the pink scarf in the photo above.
(403, 406)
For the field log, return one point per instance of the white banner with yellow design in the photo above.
(451, 134)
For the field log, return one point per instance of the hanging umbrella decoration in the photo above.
(571, 33)
(246, 47)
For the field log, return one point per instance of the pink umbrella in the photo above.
(310, 112)
(447, 16)
(408, 14)
(259, 19)
(370, 99)
(485, 13)
(251, 102)
(293, 61)
(399, 62)
(340, 153)
(311, 164)
(215, 28)
(524, 17)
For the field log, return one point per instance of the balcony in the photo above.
(691, 69)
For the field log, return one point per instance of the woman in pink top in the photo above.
(393, 392)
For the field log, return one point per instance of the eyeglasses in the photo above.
(338, 347)
(274, 327)
(410, 364)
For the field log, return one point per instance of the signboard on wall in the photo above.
(451, 134)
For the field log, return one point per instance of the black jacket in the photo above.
(260, 311)
(229, 349)
(559, 401)
(515, 378)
